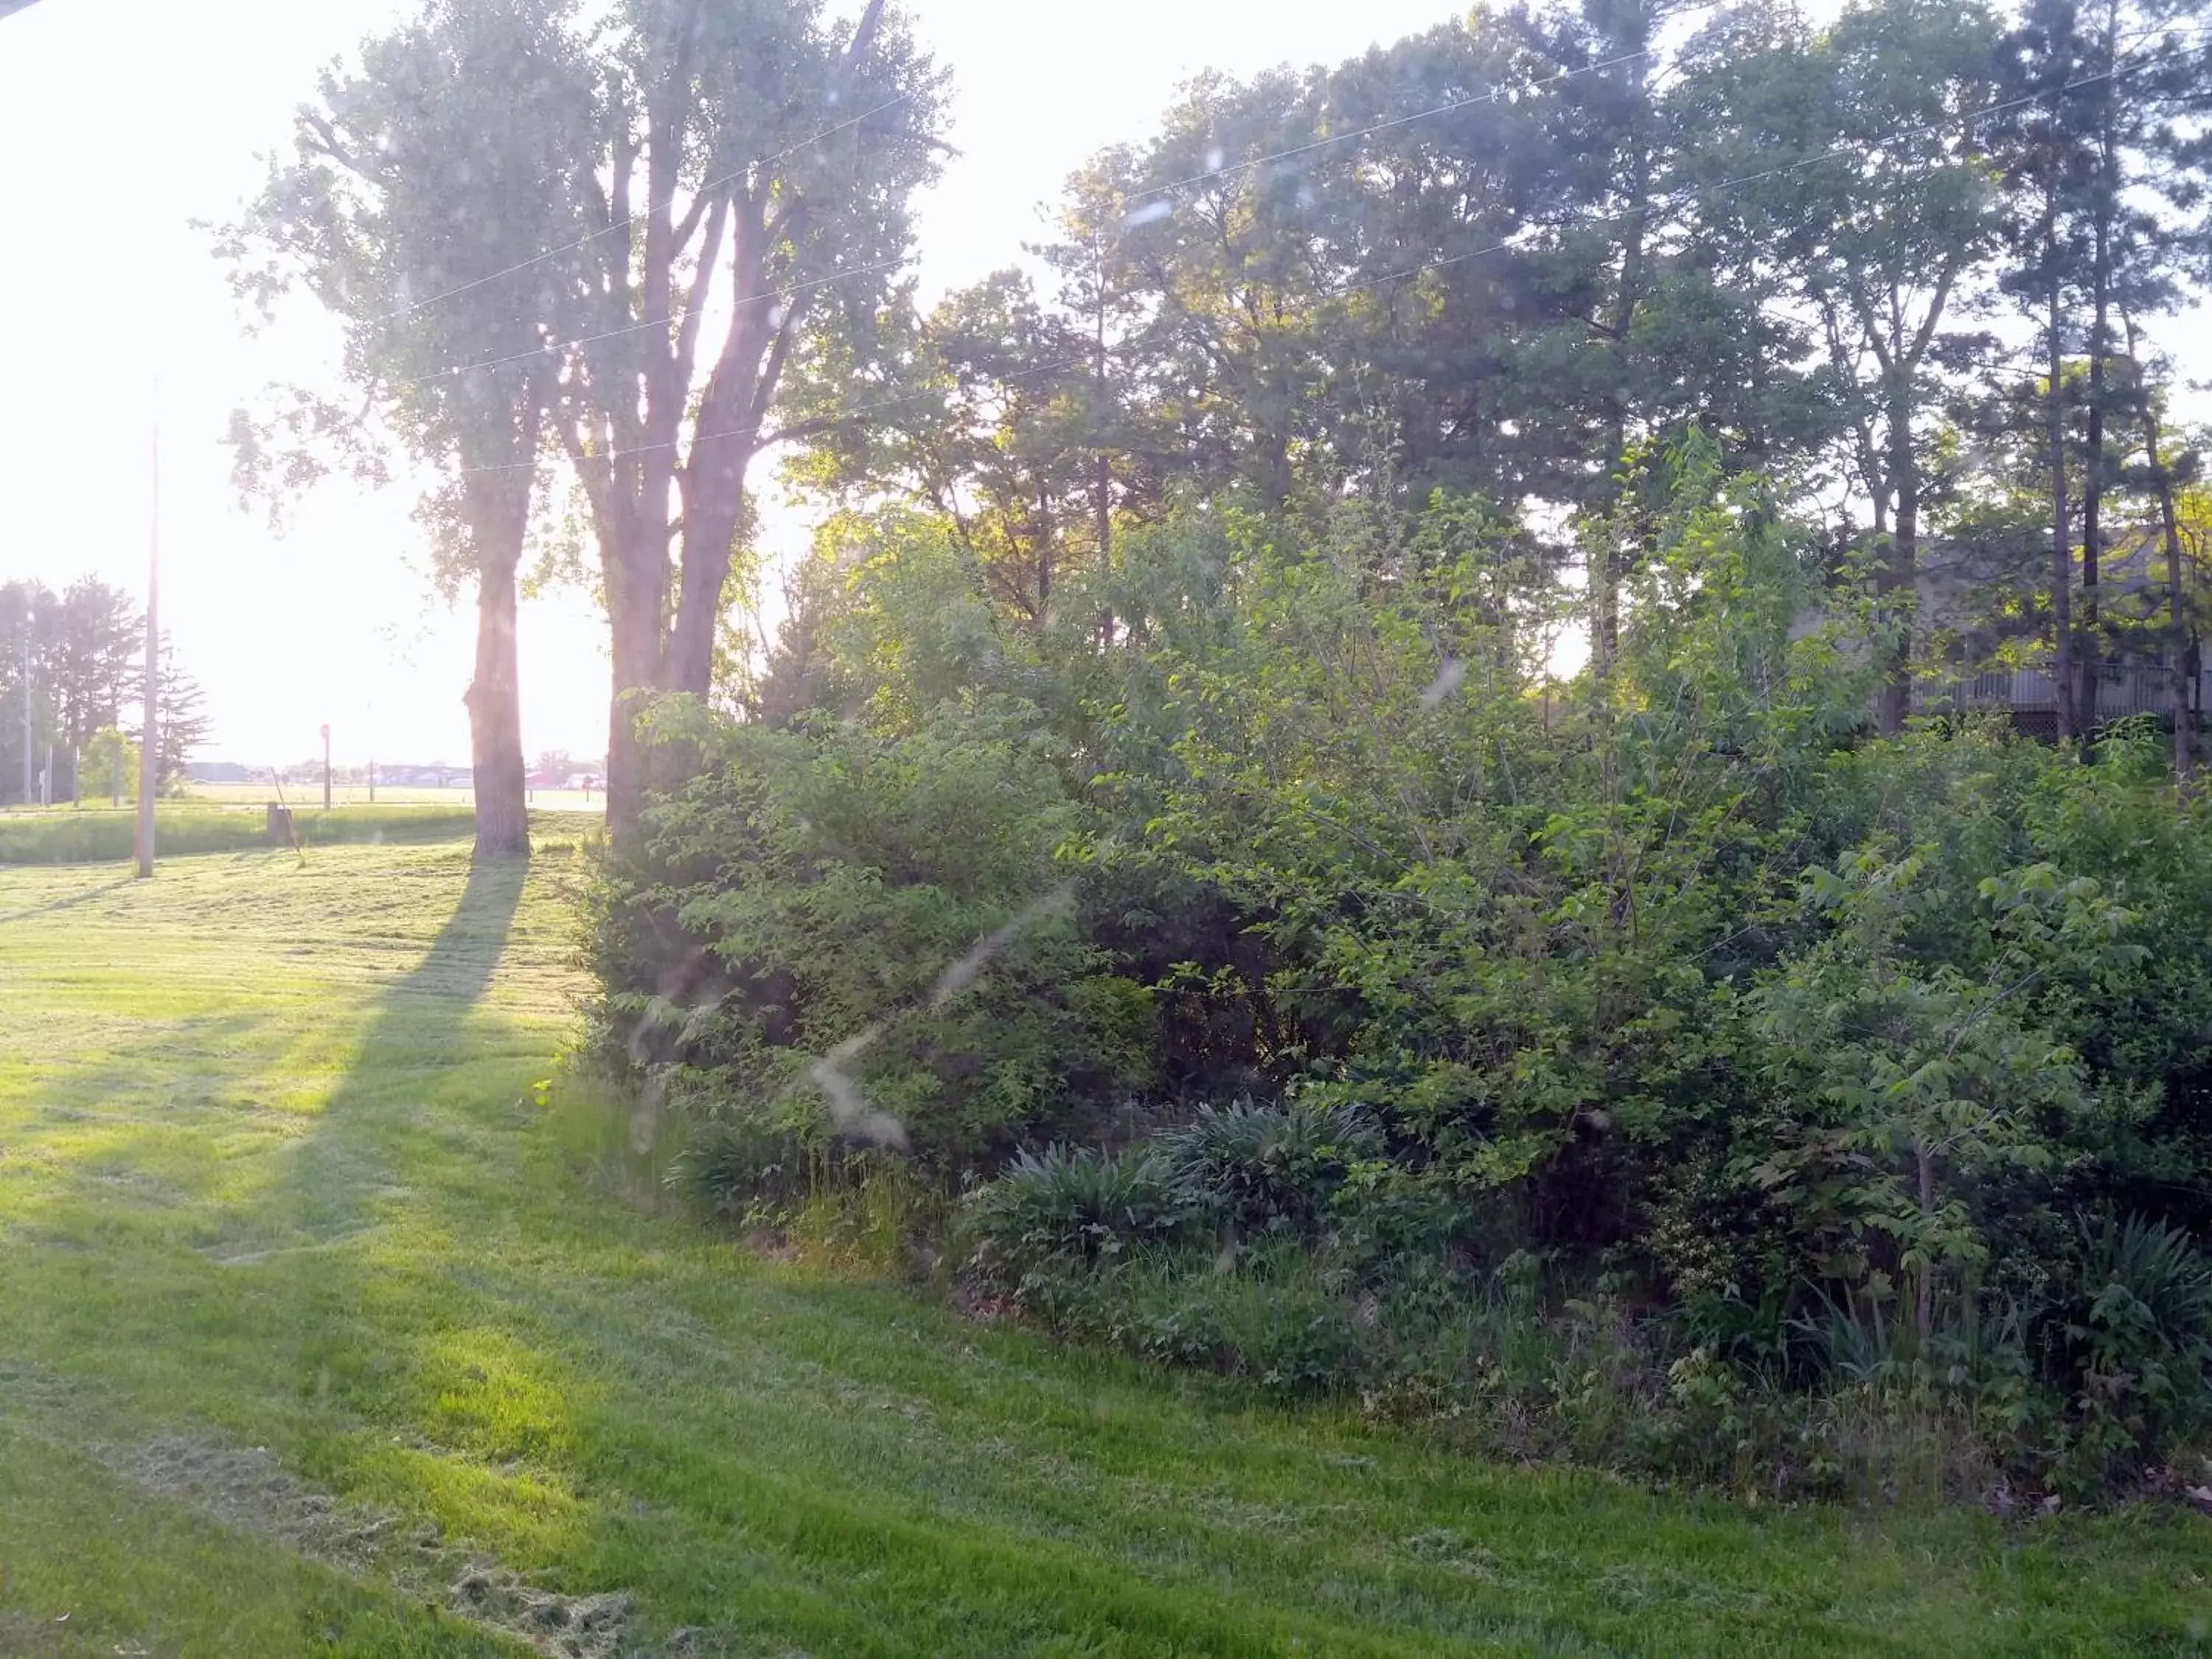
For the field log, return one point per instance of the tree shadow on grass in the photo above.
(255, 1304)
(458, 966)
(251, 1183)
(67, 901)
(396, 1099)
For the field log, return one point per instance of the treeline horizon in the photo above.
(1911, 265)
(84, 649)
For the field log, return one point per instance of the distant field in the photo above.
(256, 794)
(322, 1332)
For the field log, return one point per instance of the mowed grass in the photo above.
(70, 834)
(310, 1311)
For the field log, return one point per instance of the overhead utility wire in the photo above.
(711, 185)
(1161, 189)
(1688, 193)
(1445, 108)
(634, 328)
(1469, 102)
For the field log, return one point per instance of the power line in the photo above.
(624, 451)
(1492, 96)
(1673, 198)
(1692, 192)
(708, 188)
(1446, 108)
(550, 346)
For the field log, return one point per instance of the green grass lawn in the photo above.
(318, 1335)
(71, 834)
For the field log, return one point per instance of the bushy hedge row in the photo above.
(1638, 1060)
(2092, 1379)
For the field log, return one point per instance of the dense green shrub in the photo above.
(871, 939)
(1788, 1056)
(2129, 1333)
(743, 1165)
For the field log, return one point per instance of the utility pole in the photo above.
(149, 740)
(372, 782)
(326, 768)
(26, 707)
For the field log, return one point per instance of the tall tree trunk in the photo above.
(2061, 542)
(1606, 564)
(714, 510)
(496, 504)
(495, 702)
(1923, 1313)
(2181, 656)
(1900, 568)
(1101, 481)
(2184, 646)
(732, 414)
(635, 598)
(1045, 531)
(2092, 487)
(1609, 566)
(1103, 511)
(2105, 206)
(726, 434)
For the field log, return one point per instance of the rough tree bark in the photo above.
(1610, 564)
(2062, 544)
(630, 457)
(2184, 644)
(494, 703)
(732, 417)
(2093, 486)
(1900, 570)
(499, 517)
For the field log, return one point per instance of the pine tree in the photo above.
(182, 722)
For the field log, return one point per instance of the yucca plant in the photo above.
(2131, 1331)
(1066, 1207)
(2140, 1300)
(1260, 1166)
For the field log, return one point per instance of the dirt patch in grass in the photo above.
(26, 1236)
(31, 1388)
(141, 1187)
(233, 1254)
(570, 1626)
(249, 1489)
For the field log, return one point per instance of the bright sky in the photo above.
(123, 120)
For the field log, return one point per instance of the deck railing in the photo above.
(2122, 688)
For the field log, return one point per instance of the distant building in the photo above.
(2138, 675)
(219, 772)
(2133, 677)
(400, 773)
